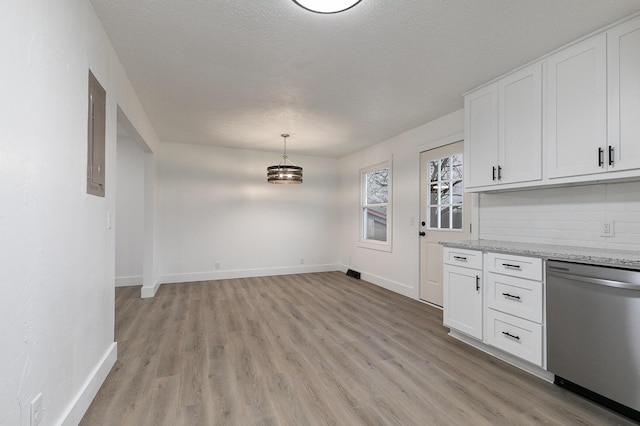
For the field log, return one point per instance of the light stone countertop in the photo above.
(595, 256)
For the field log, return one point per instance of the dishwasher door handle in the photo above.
(597, 281)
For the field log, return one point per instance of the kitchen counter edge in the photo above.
(595, 256)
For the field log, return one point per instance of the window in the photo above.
(444, 201)
(375, 207)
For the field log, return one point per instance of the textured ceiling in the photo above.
(238, 73)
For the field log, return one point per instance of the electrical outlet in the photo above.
(217, 264)
(607, 228)
(36, 410)
(302, 260)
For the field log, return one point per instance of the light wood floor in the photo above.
(313, 349)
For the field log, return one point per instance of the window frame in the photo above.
(371, 243)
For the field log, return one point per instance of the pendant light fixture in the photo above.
(286, 172)
(327, 6)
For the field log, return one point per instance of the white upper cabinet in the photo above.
(481, 137)
(623, 49)
(503, 123)
(520, 126)
(576, 109)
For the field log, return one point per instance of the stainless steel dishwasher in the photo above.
(593, 332)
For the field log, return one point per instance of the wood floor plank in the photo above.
(310, 349)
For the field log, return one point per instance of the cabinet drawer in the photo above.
(461, 257)
(515, 296)
(515, 266)
(514, 335)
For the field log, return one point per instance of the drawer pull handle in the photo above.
(506, 333)
(510, 266)
(511, 296)
(460, 258)
(477, 283)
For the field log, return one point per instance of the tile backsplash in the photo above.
(567, 215)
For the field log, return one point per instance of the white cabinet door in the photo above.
(624, 96)
(576, 104)
(520, 126)
(463, 300)
(481, 137)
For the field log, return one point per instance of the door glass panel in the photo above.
(433, 217)
(457, 217)
(444, 217)
(444, 202)
(456, 166)
(433, 194)
(445, 168)
(433, 171)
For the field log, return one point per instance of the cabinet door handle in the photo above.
(506, 333)
(493, 174)
(511, 296)
(477, 283)
(600, 159)
(460, 258)
(510, 266)
(499, 172)
(611, 156)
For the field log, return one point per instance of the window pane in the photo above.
(375, 227)
(456, 166)
(444, 217)
(433, 217)
(377, 189)
(457, 217)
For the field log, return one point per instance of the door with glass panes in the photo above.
(445, 213)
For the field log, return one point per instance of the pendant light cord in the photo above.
(285, 157)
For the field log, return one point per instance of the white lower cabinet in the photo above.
(462, 304)
(515, 305)
(500, 303)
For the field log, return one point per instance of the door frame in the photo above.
(475, 216)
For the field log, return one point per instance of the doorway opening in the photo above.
(134, 211)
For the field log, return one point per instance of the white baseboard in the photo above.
(89, 389)
(245, 273)
(394, 286)
(149, 291)
(128, 281)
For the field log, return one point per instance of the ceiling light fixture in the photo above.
(327, 6)
(286, 172)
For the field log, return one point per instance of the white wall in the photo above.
(568, 216)
(216, 206)
(129, 222)
(56, 286)
(398, 270)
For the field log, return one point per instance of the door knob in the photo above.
(422, 233)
